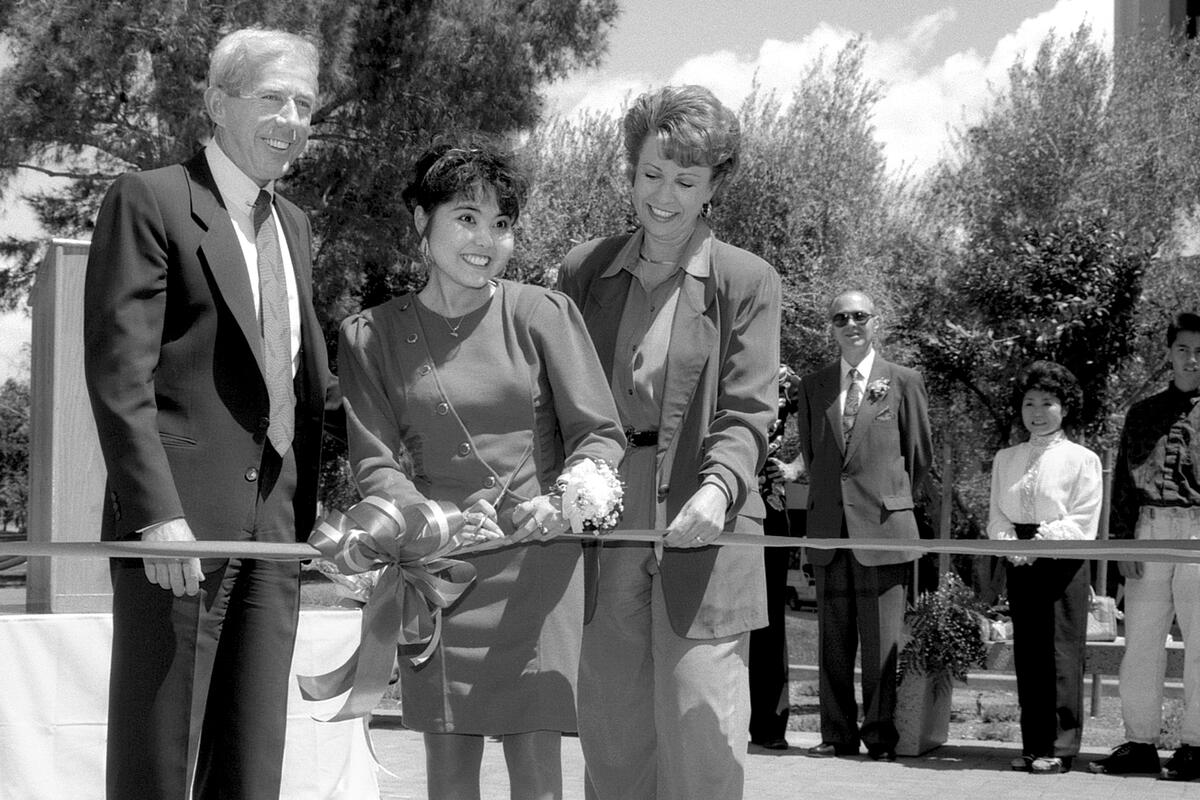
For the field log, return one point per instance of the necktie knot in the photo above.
(262, 209)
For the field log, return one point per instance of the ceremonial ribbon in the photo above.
(1112, 549)
(405, 607)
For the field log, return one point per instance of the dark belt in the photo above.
(1025, 530)
(641, 438)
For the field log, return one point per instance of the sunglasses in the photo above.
(842, 318)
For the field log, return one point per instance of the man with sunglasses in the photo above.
(864, 432)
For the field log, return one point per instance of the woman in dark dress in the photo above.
(479, 391)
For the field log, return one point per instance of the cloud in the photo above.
(919, 105)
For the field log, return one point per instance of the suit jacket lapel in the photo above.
(606, 302)
(831, 388)
(223, 254)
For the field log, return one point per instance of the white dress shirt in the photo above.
(239, 193)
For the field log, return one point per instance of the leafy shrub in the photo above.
(944, 631)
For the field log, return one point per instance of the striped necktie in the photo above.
(276, 328)
(850, 410)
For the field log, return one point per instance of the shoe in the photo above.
(771, 744)
(1183, 766)
(827, 749)
(1020, 763)
(1126, 759)
(881, 754)
(1048, 765)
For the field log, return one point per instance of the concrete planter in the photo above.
(923, 712)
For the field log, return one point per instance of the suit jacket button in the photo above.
(424, 369)
(464, 449)
(264, 423)
(489, 482)
(442, 409)
(251, 474)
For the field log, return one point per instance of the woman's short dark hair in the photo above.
(692, 126)
(1051, 378)
(448, 170)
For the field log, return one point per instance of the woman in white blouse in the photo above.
(1047, 488)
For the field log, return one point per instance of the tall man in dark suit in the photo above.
(207, 373)
(864, 433)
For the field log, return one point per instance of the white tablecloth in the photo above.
(54, 702)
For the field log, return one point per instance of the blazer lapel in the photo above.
(831, 388)
(223, 254)
(602, 311)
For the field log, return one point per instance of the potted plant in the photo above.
(945, 637)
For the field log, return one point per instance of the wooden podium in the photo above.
(66, 482)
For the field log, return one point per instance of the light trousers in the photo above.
(661, 717)
(1165, 590)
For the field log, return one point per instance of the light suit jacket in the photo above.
(870, 482)
(719, 400)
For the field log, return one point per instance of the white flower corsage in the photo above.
(591, 496)
(878, 389)
(1058, 529)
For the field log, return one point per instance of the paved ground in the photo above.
(959, 769)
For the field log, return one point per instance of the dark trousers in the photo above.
(1048, 600)
(859, 605)
(769, 700)
(199, 685)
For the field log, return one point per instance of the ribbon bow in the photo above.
(405, 608)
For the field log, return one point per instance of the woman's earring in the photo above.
(705, 209)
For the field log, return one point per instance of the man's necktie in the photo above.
(850, 410)
(276, 328)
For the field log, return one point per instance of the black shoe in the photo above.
(771, 744)
(1128, 758)
(827, 749)
(881, 754)
(1183, 766)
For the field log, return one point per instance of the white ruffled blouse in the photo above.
(1050, 481)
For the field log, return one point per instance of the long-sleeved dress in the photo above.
(493, 410)
(1055, 483)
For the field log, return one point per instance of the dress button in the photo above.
(464, 449)
(443, 408)
(251, 474)
(424, 370)
(489, 481)
(412, 337)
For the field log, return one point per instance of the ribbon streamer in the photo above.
(405, 607)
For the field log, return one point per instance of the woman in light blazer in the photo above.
(687, 329)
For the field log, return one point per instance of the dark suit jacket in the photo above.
(173, 359)
(719, 400)
(871, 481)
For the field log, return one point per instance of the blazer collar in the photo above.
(223, 255)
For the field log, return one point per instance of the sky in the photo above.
(938, 63)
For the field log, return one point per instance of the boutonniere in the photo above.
(878, 389)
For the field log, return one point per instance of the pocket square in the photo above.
(885, 415)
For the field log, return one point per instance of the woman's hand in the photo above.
(540, 519)
(480, 525)
(700, 521)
